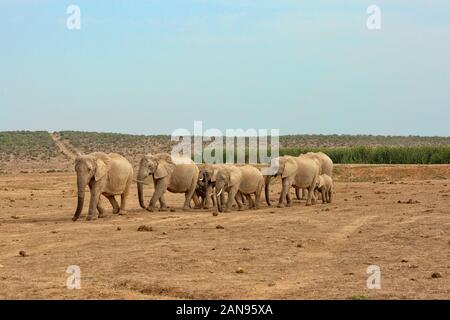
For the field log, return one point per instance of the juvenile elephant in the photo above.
(105, 174)
(238, 182)
(299, 172)
(325, 187)
(177, 175)
(203, 192)
(206, 184)
(326, 167)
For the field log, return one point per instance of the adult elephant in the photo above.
(177, 175)
(298, 172)
(105, 174)
(326, 167)
(238, 182)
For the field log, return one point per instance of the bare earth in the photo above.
(300, 252)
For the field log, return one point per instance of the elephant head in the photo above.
(207, 176)
(203, 178)
(286, 168)
(88, 167)
(226, 178)
(159, 166)
(320, 183)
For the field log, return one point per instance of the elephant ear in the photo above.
(165, 167)
(235, 176)
(290, 168)
(214, 175)
(103, 163)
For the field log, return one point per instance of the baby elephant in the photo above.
(203, 191)
(325, 187)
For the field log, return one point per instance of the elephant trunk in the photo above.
(140, 187)
(81, 182)
(218, 195)
(267, 189)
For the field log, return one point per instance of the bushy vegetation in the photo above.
(368, 155)
(344, 140)
(130, 146)
(36, 145)
(381, 155)
(364, 149)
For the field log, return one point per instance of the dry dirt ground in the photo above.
(300, 252)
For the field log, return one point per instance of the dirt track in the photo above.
(294, 253)
(69, 151)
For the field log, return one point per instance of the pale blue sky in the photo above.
(150, 67)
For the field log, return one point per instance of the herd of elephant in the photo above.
(111, 175)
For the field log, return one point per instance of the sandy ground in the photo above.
(300, 252)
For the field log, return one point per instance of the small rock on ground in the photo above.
(145, 228)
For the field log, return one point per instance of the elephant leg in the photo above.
(162, 203)
(114, 204)
(315, 196)
(304, 193)
(324, 196)
(258, 194)
(243, 199)
(280, 199)
(298, 193)
(100, 209)
(208, 198)
(238, 197)
(160, 188)
(257, 198)
(189, 194)
(197, 202)
(284, 190)
(288, 199)
(203, 203)
(187, 200)
(123, 200)
(93, 203)
(311, 192)
(256, 202)
(251, 204)
(231, 195)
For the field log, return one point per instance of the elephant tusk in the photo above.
(140, 181)
(220, 192)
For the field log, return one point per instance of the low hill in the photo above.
(26, 151)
